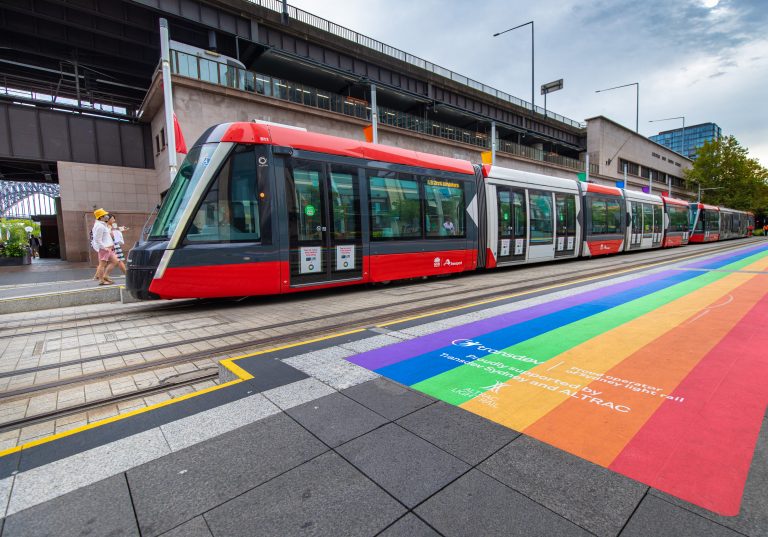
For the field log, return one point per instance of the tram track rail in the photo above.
(152, 308)
(256, 344)
(206, 375)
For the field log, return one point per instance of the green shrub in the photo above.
(758, 233)
(14, 236)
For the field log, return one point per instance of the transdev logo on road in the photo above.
(477, 346)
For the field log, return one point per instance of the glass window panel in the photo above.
(647, 219)
(636, 218)
(520, 217)
(181, 190)
(541, 218)
(657, 218)
(345, 203)
(444, 207)
(395, 207)
(598, 217)
(506, 213)
(613, 216)
(230, 211)
(308, 208)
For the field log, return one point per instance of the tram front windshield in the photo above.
(181, 191)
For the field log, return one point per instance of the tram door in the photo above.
(323, 223)
(512, 224)
(541, 218)
(565, 205)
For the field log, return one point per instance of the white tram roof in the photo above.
(636, 195)
(529, 179)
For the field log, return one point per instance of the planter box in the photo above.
(26, 259)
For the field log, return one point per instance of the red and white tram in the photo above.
(261, 209)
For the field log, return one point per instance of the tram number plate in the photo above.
(345, 257)
(310, 260)
(504, 248)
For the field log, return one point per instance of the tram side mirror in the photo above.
(187, 172)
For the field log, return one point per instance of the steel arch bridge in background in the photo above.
(13, 192)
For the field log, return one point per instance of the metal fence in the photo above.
(198, 68)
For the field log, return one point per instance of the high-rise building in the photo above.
(687, 141)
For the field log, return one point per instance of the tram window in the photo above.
(345, 203)
(647, 219)
(232, 209)
(395, 206)
(606, 216)
(541, 218)
(519, 206)
(444, 207)
(306, 211)
(657, 218)
(505, 213)
(636, 217)
(566, 215)
(678, 218)
(712, 221)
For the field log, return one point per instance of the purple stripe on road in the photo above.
(408, 349)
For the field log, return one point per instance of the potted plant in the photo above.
(14, 241)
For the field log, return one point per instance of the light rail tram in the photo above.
(259, 209)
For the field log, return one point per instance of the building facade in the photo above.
(631, 160)
(687, 141)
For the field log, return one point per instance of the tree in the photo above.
(728, 176)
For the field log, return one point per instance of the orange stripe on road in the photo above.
(601, 433)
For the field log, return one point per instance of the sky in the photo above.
(706, 60)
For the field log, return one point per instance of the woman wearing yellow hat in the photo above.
(103, 244)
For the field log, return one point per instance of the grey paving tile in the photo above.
(221, 419)
(753, 515)
(325, 496)
(657, 517)
(462, 434)
(476, 504)
(103, 508)
(336, 419)
(185, 484)
(298, 393)
(194, 528)
(331, 367)
(406, 466)
(388, 398)
(591, 496)
(46, 482)
(5, 494)
(409, 526)
(371, 343)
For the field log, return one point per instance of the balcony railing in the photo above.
(378, 46)
(198, 68)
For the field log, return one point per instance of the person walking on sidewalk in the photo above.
(117, 237)
(104, 245)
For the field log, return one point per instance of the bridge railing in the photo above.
(198, 68)
(350, 35)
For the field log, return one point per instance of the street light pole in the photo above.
(669, 179)
(637, 104)
(533, 106)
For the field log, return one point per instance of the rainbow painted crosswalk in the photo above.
(663, 378)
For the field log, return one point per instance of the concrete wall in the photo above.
(607, 140)
(129, 193)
